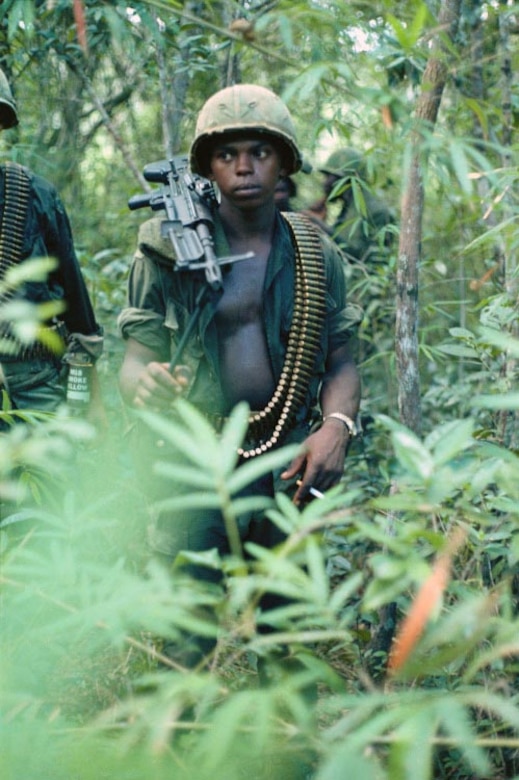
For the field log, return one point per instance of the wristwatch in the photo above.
(348, 422)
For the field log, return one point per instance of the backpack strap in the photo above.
(268, 427)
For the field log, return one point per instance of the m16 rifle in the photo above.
(189, 201)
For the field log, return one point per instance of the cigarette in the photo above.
(313, 491)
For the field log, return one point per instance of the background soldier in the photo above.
(34, 224)
(360, 228)
(286, 189)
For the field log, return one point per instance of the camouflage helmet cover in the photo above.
(244, 107)
(8, 114)
(345, 162)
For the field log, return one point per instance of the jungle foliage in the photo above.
(421, 540)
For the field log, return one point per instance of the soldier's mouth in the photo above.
(244, 188)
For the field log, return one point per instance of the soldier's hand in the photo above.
(320, 465)
(157, 387)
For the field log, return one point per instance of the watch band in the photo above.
(348, 422)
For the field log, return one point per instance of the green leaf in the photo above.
(458, 350)
(381, 592)
(317, 570)
(513, 552)
(194, 425)
(285, 29)
(410, 754)
(35, 269)
(202, 451)
(505, 341)
(412, 455)
(461, 333)
(254, 468)
(400, 31)
(232, 436)
(342, 593)
(358, 197)
(498, 401)
(480, 111)
(455, 721)
(461, 166)
(306, 83)
(21, 17)
(187, 475)
(451, 439)
(198, 500)
(347, 762)
(247, 504)
(503, 706)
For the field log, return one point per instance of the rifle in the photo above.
(189, 201)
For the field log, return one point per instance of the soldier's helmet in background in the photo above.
(8, 113)
(345, 163)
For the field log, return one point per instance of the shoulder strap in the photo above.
(269, 426)
(12, 227)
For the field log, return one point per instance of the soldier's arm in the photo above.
(145, 381)
(321, 464)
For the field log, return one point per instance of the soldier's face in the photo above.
(246, 169)
(340, 186)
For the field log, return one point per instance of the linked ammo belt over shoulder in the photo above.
(14, 216)
(268, 427)
(217, 420)
(32, 352)
(23, 353)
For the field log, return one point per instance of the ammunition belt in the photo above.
(14, 217)
(16, 200)
(268, 427)
(13, 351)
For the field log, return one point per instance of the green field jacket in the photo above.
(161, 300)
(47, 233)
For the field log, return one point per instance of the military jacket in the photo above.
(161, 300)
(48, 233)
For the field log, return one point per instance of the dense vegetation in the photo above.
(426, 522)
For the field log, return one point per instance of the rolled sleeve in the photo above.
(89, 347)
(143, 319)
(144, 326)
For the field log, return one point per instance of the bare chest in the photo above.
(241, 301)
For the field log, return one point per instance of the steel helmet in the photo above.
(8, 115)
(345, 163)
(244, 107)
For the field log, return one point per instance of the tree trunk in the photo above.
(508, 420)
(406, 331)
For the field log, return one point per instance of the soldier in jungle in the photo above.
(286, 189)
(34, 224)
(245, 143)
(361, 227)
